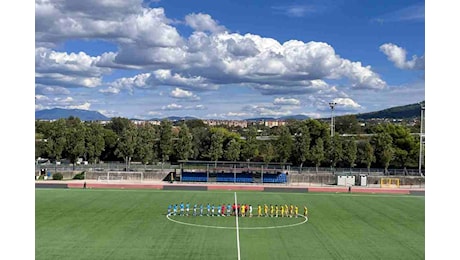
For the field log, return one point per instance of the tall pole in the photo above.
(332, 105)
(422, 111)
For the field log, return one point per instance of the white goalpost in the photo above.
(114, 176)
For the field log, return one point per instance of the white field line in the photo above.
(237, 232)
(248, 228)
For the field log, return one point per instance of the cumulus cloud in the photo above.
(46, 102)
(122, 21)
(209, 58)
(67, 69)
(183, 94)
(267, 110)
(203, 22)
(346, 103)
(286, 101)
(397, 55)
(129, 84)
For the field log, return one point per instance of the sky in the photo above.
(228, 59)
(81, 41)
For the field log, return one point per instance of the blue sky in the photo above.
(228, 59)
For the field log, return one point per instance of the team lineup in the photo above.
(241, 210)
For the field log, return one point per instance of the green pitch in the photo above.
(132, 224)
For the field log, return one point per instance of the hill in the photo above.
(399, 112)
(57, 113)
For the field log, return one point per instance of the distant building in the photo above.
(231, 123)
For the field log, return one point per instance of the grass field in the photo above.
(132, 224)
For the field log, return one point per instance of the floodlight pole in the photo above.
(332, 105)
(422, 112)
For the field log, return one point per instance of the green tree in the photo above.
(406, 146)
(94, 142)
(383, 147)
(284, 144)
(165, 144)
(145, 147)
(126, 145)
(201, 141)
(194, 123)
(110, 144)
(118, 124)
(267, 152)
(56, 139)
(216, 148)
(232, 151)
(366, 154)
(184, 144)
(75, 142)
(347, 124)
(302, 145)
(317, 153)
(250, 146)
(336, 151)
(350, 152)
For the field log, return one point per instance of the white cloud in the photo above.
(41, 98)
(50, 90)
(346, 103)
(67, 69)
(295, 10)
(312, 114)
(183, 94)
(110, 90)
(237, 114)
(203, 22)
(84, 106)
(175, 106)
(397, 55)
(123, 21)
(286, 101)
(154, 113)
(267, 110)
(137, 81)
(172, 106)
(167, 78)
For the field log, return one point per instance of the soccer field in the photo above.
(132, 224)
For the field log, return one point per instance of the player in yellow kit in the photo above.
(286, 210)
(243, 210)
(296, 211)
(291, 211)
(259, 210)
(276, 210)
(305, 211)
(266, 210)
(272, 210)
(282, 210)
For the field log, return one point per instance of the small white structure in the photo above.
(345, 180)
(363, 180)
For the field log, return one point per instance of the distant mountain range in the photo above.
(57, 113)
(399, 112)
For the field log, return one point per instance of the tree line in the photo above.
(302, 143)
